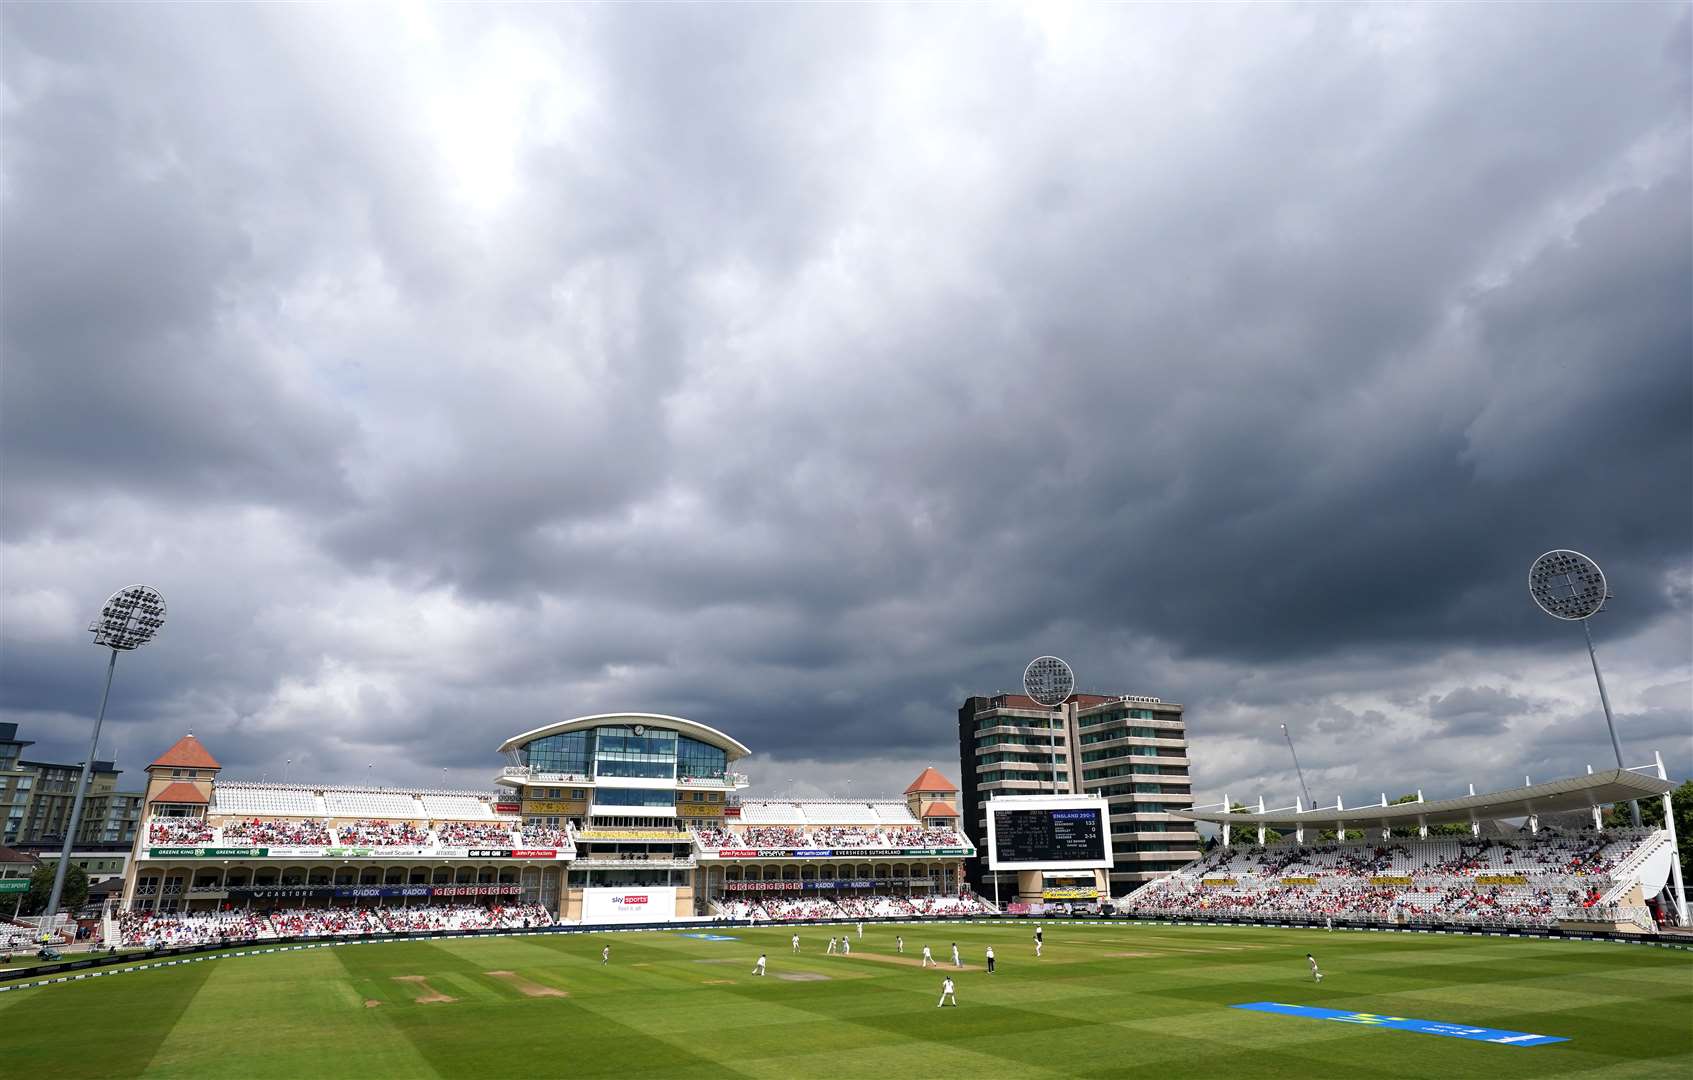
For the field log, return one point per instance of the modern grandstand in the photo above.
(1379, 865)
(614, 818)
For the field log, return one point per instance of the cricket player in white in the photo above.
(796, 943)
(1315, 974)
(605, 956)
(928, 957)
(861, 931)
(947, 992)
(759, 969)
(846, 945)
(831, 943)
(1037, 944)
(899, 944)
(956, 962)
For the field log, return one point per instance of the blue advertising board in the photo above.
(1406, 1023)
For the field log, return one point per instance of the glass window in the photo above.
(621, 752)
(697, 759)
(633, 797)
(612, 766)
(569, 752)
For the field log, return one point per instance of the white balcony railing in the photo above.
(726, 782)
(603, 862)
(527, 773)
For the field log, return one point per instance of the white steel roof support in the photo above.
(1678, 888)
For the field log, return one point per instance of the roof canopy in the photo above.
(1554, 796)
(693, 729)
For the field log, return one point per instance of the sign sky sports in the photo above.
(1406, 1023)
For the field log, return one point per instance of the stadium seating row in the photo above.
(870, 907)
(1528, 881)
(152, 930)
(365, 832)
(712, 838)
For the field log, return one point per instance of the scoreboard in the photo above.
(1048, 832)
(1048, 835)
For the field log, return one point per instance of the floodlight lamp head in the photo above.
(1567, 585)
(1049, 680)
(130, 618)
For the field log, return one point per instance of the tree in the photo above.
(41, 889)
(1450, 828)
(1250, 831)
(1652, 817)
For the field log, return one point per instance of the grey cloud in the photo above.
(814, 367)
(1471, 711)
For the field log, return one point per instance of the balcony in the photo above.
(524, 772)
(729, 781)
(612, 862)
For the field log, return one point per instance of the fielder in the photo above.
(956, 962)
(947, 992)
(899, 944)
(605, 956)
(861, 931)
(1316, 974)
(796, 943)
(928, 958)
(758, 969)
(831, 943)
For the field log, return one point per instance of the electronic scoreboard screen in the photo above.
(1049, 835)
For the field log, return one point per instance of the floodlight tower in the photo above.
(129, 620)
(1567, 585)
(1050, 682)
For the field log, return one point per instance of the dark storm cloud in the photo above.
(803, 370)
(1479, 710)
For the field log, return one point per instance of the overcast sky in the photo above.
(804, 370)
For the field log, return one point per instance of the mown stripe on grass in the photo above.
(110, 1032)
(300, 1018)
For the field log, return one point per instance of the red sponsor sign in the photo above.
(731, 811)
(508, 808)
(630, 900)
(535, 853)
(737, 853)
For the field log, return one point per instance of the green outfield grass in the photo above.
(1115, 1000)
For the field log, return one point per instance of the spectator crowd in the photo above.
(372, 833)
(714, 838)
(156, 930)
(291, 832)
(177, 831)
(1524, 881)
(477, 834)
